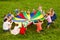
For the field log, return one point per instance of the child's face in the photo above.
(46, 14)
(28, 11)
(33, 9)
(40, 8)
(17, 13)
(10, 17)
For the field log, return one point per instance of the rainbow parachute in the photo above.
(25, 18)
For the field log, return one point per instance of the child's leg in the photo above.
(38, 29)
(48, 25)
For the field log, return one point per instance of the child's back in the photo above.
(22, 30)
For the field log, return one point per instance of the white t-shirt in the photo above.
(6, 25)
(49, 19)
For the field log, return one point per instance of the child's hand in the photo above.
(42, 22)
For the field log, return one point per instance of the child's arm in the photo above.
(42, 22)
(34, 23)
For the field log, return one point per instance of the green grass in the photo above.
(48, 34)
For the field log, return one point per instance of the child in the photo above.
(34, 11)
(40, 9)
(21, 15)
(8, 15)
(39, 26)
(28, 14)
(16, 30)
(16, 11)
(28, 11)
(22, 30)
(49, 20)
(6, 25)
(52, 14)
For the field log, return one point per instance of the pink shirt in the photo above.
(39, 26)
(49, 19)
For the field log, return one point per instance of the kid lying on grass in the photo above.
(7, 24)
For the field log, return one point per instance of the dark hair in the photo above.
(16, 24)
(48, 14)
(5, 20)
(39, 20)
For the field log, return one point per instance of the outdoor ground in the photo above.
(47, 34)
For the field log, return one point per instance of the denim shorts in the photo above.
(49, 23)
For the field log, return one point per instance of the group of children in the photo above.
(50, 16)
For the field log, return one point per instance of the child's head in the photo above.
(18, 13)
(47, 14)
(51, 10)
(40, 8)
(28, 11)
(33, 9)
(39, 20)
(16, 24)
(21, 10)
(9, 18)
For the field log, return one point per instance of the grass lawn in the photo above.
(47, 34)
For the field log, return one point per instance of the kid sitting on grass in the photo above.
(7, 24)
(16, 30)
(52, 14)
(48, 18)
(39, 26)
(8, 15)
(22, 30)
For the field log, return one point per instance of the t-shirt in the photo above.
(6, 25)
(16, 27)
(22, 30)
(15, 31)
(21, 15)
(39, 24)
(49, 19)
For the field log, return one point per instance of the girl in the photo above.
(49, 20)
(7, 24)
(16, 30)
(39, 26)
(52, 14)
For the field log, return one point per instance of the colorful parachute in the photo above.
(26, 19)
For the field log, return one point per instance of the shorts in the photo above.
(49, 23)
